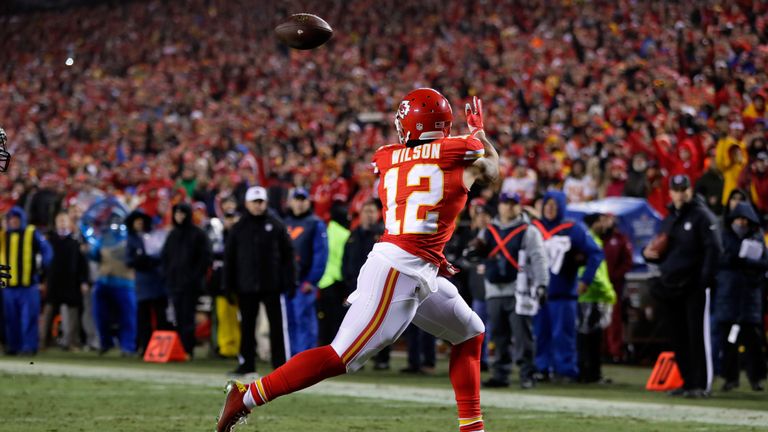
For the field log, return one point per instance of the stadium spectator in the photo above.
(617, 178)
(472, 266)
(579, 186)
(710, 187)
(145, 243)
(258, 268)
(568, 247)
(87, 319)
(734, 198)
(596, 303)
(739, 296)
(522, 181)
(637, 181)
(512, 246)
(688, 263)
(658, 188)
(226, 332)
(114, 291)
(44, 201)
(67, 281)
(186, 258)
(618, 256)
(359, 245)
(581, 100)
(755, 180)
(731, 158)
(755, 111)
(332, 288)
(310, 244)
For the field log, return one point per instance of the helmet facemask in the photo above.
(401, 134)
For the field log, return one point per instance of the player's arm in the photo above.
(486, 168)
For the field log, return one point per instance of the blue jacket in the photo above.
(310, 244)
(150, 281)
(569, 246)
(39, 245)
(740, 281)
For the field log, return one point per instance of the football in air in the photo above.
(304, 31)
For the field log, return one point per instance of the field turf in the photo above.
(38, 403)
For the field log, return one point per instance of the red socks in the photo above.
(464, 371)
(301, 371)
(312, 366)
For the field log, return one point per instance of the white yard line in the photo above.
(516, 401)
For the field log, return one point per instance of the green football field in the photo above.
(82, 392)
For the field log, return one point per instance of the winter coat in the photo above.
(740, 281)
(337, 239)
(186, 256)
(568, 246)
(710, 186)
(636, 185)
(310, 244)
(618, 257)
(25, 272)
(673, 163)
(727, 165)
(757, 184)
(67, 272)
(499, 271)
(258, 256)
(150, 280)
(359, 245)
(601, 289)
(690, 261)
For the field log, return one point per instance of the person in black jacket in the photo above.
(67, 278)
(186, 257)
(359, 245)
(688, 266)
(258, 268)
(740, 282)
(144, 246)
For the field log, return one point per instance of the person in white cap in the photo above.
(258, 268)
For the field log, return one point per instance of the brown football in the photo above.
(659, 244)
(304, 31)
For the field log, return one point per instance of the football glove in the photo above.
(474, 113)
(447, 269)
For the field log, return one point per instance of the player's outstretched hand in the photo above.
(474, 113)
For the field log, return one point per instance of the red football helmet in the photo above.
(424, 114)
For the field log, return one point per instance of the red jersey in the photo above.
(422, 191)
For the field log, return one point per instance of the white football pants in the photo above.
(387, 301)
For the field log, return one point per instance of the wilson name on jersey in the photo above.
(422, 191)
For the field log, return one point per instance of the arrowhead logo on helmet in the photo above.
(423, 115)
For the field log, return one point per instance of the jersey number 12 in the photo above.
(411, 223)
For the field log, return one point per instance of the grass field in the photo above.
(83, 392)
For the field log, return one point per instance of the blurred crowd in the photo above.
(159, 104)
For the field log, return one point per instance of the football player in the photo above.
(423, 185)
